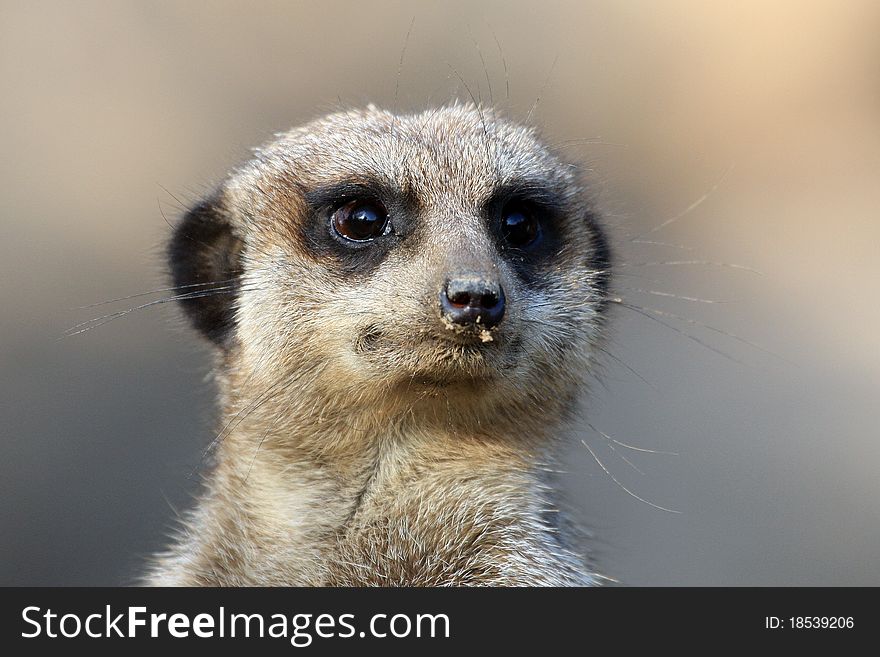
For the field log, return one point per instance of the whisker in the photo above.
(622, 444)
(693, 206)
(597, 141)
(706, 263)
(260, 445)
(96, 322)
(478, 105)
(182, 206)
(238, 418)
(644, 313)
(668, 244)
(624, 488)
(156, 291)
(660, 293)
(504, 63)
(715, 329)
(623, 364)
(543, 89)
(616, 453)
(106, 319)
(400, 71)
(485, 68)
(624, 459)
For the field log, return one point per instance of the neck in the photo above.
(321, 496)
(345, 468)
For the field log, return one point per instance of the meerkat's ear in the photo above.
(204, 256)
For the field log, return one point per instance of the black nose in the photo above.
(472, 301)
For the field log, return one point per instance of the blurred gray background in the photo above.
(763, 118)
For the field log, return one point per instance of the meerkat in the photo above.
(404, 310)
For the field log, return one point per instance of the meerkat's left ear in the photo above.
(204, 256)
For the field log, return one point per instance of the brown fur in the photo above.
(364, 443)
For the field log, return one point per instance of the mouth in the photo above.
(438, 359)
(443, 363)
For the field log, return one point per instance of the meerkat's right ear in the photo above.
(204, 256)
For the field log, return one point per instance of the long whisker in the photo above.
(624, 459)
(400, 70)
(715, 329)
(105, 319)
(238, 418)
(260, 445)
(156, 291)
(635, 449)
(485, 68)
(543, 89)
(644, 313)
(503, 62)
(597, 141)
(660, 293)
(478, 105)
(667, 244)
(626, 366)
(624, 488)
(693, 206)
(706, 263)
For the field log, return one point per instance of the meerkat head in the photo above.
(444, 263)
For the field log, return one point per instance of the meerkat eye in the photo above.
(520, 226)
(361, 220)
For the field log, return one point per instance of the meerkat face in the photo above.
(390, 261)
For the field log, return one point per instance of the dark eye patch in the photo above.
(537, 262)
(350, 257)
(525, 220)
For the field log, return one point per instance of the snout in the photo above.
(472, 301)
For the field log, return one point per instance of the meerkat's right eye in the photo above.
(361, 220)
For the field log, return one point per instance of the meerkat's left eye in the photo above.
(520, 225)
(361, 220)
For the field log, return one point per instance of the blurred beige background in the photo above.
(113, 113)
